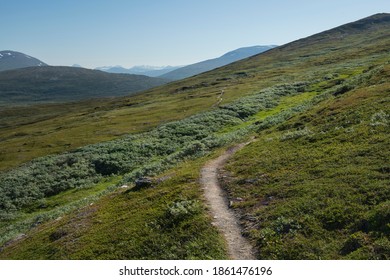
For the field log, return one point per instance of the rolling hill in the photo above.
(50, 84)
(14, 60)
(120, 178)
(207, 65)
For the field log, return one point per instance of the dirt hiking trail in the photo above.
(224, 218)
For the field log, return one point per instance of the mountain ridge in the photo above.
(210, 64)
(151, 71)
(10, 60)
(340, 32)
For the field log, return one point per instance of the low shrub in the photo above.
(181, 210)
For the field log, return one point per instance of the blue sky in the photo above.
(96, 33)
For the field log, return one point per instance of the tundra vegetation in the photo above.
(314, 183)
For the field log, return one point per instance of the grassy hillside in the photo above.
(313, 185)
(37, 131)
(317, 186)
(50, 84)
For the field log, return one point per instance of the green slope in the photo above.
(317, 186)
(37, 131)
(318, 107)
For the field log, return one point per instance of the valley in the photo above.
(313, 184)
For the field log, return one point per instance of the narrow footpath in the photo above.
(224, 218)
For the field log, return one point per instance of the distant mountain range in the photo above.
(207, 65)
(26, 80)
(62, 84)
(181, 72)
(13, 60)
(151, 71)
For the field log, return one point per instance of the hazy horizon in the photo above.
(131, 33)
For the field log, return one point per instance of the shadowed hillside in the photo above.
(63, 84)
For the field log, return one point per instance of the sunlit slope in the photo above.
(317, 186)
(313, 185)
(36, 131)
